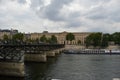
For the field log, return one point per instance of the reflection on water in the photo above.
(10, 78)
(74, 67)
(39, 71)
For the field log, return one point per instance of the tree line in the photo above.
(94, 39)
(20, 38)
(102, 40)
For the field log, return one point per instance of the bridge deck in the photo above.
(9, 52)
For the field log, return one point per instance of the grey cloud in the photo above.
(89, 3)
(74, 24)
(51, 11)
(36, 3)
(98, 13)
(7, 1)
(98, 28)
(104, 12)
(114, 15)
(75, 15)
(22, 1)
(2, 1)
(73, 20)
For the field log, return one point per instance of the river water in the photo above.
(74, 67)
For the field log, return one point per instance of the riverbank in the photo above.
(77, 47)
(74, 47)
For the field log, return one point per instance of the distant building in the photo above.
(61, 37)
(27, 36)
(7, 32)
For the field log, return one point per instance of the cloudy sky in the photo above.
(60, 15)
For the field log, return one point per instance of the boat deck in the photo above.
(92, 51)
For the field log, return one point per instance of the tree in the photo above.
(70, 37)
(18, 37)
(43, 39)
(93, 39)
(116, 37)
(105, 39)
(35, 41)
(5, 37)
(29, 41)
(88, 40)
(53, 39)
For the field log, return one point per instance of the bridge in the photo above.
(12, 57)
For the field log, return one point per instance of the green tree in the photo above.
(70, 37)
(5, 37)
(18, 37)
(88, 40)
(93, 39)
(43, 39)
(105, 39)
(29, 41)
(116, 37)
(53, 39)
(35, 41)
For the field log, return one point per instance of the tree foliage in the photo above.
(18, 37)
(96, 39)
(105, 39)
(116, 37)
(70, 37)
(53, 39)
(93, 39)
(29, 41)
(43, 39)
(5, 37)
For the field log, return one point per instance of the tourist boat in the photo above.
(99, 51)
(92, 51)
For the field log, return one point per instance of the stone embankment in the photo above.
(113, 47)
(12, 69)
(74, 47)
(77, 47)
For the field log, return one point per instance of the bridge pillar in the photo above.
(57, 52)
(36, 57)
(50, 53)
(61, 50)
(12, 69)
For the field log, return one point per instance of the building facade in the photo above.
(7, 32)
(61, 37)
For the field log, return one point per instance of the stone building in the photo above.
(61, 37)
(7, 32)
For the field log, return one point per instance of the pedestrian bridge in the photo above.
(12, 57)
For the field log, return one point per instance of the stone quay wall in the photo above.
(12, 69)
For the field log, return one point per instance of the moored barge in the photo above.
(92, 51)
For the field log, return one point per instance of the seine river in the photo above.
(74, 67)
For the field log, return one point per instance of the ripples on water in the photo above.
(74, 67)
